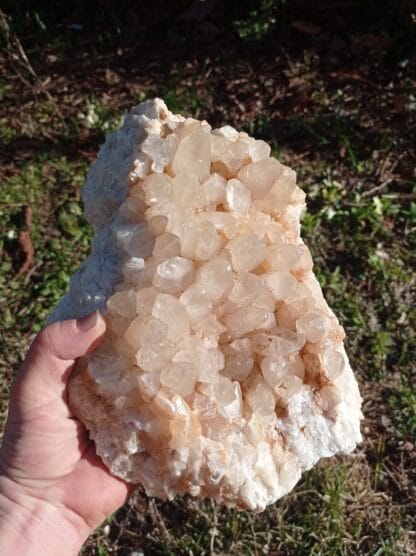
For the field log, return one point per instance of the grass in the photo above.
(350, 135)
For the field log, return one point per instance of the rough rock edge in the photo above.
(92, 284)
(104, 425)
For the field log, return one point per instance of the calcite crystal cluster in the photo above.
(222, 372)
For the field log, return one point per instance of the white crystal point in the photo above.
(193, 154)
(260, 176)
(238, 197)
(222, 372)
(174, 275)
(247, 251)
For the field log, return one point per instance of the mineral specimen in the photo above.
(222, 372)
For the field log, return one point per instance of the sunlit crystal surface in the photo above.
(222, 372)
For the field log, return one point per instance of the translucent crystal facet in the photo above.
(247, 252)
(174, 275)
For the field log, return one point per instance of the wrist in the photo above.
(31, 526)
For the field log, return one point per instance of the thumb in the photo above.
(43, 375)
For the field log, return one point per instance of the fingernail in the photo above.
(87, 322)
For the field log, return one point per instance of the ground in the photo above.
(335, 95)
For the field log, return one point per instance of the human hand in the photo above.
(54, 489)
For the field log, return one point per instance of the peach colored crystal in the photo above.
(222, 372)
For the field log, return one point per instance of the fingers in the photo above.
(70, 339)
(50, 360)
(91, 475)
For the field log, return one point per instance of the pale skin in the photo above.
(54, 489)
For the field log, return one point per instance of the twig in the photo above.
(402, 196)
(26, 243)
(380, 187)
(156, 512)
(13, 41)
(213, 531)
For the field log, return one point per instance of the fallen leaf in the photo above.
(306, 27)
